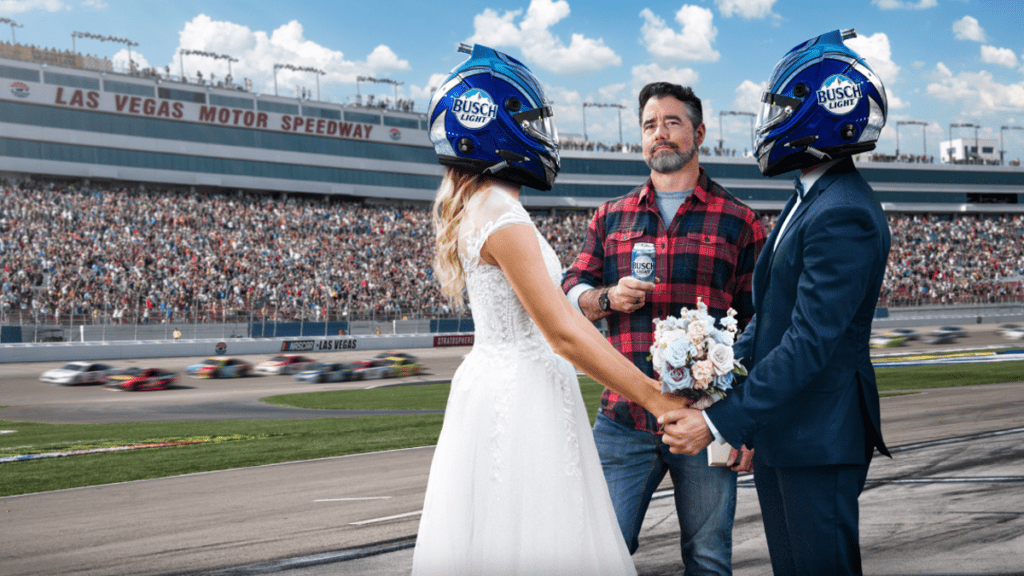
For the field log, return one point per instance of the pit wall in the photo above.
(311, 346)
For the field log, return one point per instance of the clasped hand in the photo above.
(686, 432)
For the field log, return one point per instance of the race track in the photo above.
(287, 516)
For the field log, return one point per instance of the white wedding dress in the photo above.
(516, 486)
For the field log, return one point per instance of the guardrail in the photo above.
(71, 351)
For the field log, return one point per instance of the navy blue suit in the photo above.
(809, 407)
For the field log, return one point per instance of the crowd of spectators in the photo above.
(152, 255)
(123, 255)
(591, 146)
(955, 259)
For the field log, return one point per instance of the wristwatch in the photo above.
(603, 302)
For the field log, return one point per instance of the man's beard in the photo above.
(669, 163)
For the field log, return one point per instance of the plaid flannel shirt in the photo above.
(708, 251)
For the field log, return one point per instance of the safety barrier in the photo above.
(122, 350)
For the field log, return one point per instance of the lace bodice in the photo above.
(498, 315)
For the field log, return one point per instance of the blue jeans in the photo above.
(635, 462)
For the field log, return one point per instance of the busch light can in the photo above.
(643, 261)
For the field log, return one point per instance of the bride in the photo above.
(516, 486)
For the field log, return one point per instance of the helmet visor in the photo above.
(775, 109)
(540, 124)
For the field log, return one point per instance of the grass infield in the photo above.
(220, 445)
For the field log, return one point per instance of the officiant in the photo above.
(706, 243)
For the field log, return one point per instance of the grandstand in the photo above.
(143, 197)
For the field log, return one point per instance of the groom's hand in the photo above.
(686, 432)
(741, 460)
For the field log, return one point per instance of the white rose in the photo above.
(658, 358)
(721, 359)
(670, 336)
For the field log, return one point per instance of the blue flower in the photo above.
(721, 336)
(673, 379)
(679, 353)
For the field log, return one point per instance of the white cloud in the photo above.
(95, 4)
(748, 96)
(536, 42)
(568, 105)
(904, 5)
(424, 94)
(8, 7)
(120, 59)
(257, 52)
(1001, 56)
(646, 73)
(693, 42)
(967, 28)
(610, 92)
(876, 50)
(748, 9)
(976, 92)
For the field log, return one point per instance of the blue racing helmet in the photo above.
(823, 102)
(490, 116)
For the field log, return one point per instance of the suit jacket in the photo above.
(810, 398)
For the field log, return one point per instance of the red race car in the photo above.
(143, 379)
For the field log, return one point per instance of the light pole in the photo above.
(1002, 152)
(101, 38)
(185, 52)
(599, 105)
(13, 26)
(359, 79)
(923, 126)
(294, 68)
(721, 137)
(961, 125)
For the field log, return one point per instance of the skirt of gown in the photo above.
(516, 485)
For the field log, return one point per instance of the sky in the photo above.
(942, 61)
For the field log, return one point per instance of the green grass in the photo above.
(417, 397)
(918, 377)
(256, 442)
(270, 441)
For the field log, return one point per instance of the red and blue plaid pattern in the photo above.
(708, 251)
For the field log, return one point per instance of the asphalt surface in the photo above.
(949, 502)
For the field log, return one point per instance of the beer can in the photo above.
(643, 261)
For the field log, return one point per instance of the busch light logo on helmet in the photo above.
(839, 94)
(474, 109)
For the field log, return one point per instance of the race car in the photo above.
(220, 367)
(886, 341)
(136, 379)
(284, 364)
(374, 369)
(78, 373)
(404, 365)
(328, 372)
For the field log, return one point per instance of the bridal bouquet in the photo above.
(694, 357)
(695, 360)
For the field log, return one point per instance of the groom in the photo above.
(809, 407)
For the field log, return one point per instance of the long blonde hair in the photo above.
(456, 189)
